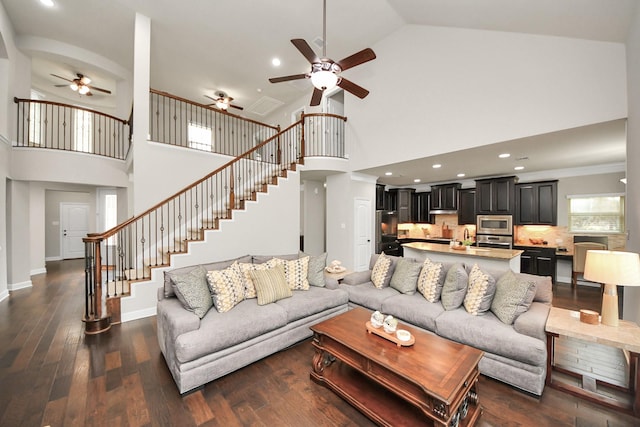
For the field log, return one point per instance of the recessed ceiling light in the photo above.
(504, 155)
(275, 62)
(436, 166)
(48, 3)
(388, 173)
(416, 180)
(518, 168)
(460, 175)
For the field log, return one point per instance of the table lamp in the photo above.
(612, 268)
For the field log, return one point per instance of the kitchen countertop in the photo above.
(471, 252)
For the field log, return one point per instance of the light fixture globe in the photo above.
(221, 104)
(324, 80)
(83, 90)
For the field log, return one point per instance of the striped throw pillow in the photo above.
(271, 284)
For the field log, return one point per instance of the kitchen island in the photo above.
(495, 259)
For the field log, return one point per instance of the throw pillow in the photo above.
(405, 276)
(381, 272)
(513, 297)
(249, 286)
(192, 291)
(482, 287)
(271, 284)
(227, 287)
(295, 272)
(431, 280)
(455, 287)
(316, 269)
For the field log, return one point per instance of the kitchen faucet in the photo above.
(466, 233)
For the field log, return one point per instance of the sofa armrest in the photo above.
(330, 283)
(160, 293)
(532, 322)
(173, 320)
(357, 278)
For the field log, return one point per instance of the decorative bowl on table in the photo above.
(390, 324)
(403, 335)
(377, 319)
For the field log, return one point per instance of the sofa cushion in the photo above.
(514, 295)
(222, 330)
(382, 271)
(306, 303)
(295, 272)
(482, 287)
(413, 309)
(367, 295)
(227, 287)
(489, 334)
(192, 291)
(217, 265)
(405, 276)
(270, 284)
(261, 259)
(431, 280)
(316, 268)
(455, 287)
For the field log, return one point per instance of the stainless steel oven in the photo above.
(496, 225)
(494, 241)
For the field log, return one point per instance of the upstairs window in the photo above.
(200, 137)
(83, 131)
(603, 213)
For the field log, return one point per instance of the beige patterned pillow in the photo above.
(249, 285)
(227, 287)
(431, 280)
(380, 271)
(482, 287)
(295, 272)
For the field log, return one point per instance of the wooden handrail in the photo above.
(75, 107)
(208, 107)
(96, 237)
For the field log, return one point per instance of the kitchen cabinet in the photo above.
(538, 261)
(404, 202)
(444, 197)
(380, 197)
(537, 203)
(495, 196)
(421, 206)
(467, 206)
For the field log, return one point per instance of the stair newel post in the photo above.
(300, 158)
(94, 320)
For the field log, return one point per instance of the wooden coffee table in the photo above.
(433, 382)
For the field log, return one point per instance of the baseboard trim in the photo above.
(53, 258)
(4, 295)
(42, 270)
(18, 286)
(138, 314)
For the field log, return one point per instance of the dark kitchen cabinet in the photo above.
(421, 206)
(538, 261)
(444, 197)
(380, 197)
(537, 203)
(404, 202)
(495, 196)
(467, 206)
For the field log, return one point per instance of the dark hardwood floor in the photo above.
(51, 374)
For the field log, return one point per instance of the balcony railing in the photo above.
(51, 125)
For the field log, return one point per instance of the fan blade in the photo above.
(213, 99)
(236, 106)
(88, 94)
(63, 78)
(361, 57)
(61, 85)
(287, 78)
(350, 86)
(316, 97)
(100, 89)
(305, 50)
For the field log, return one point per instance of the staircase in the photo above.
(127, 254)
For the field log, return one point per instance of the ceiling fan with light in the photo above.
(325, 72)
(222, 101)
(81, 85)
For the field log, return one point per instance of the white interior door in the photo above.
(74, 219)
(363, 230)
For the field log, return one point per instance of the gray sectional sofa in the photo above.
(199, 350)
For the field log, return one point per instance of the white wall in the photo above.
(460, 88)
(313, 213)
(632, 295)
(5, 151)
(18, 236)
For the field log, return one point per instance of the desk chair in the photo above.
(579, 256)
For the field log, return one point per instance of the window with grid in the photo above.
(200, 137)
(83, 131)
(602, 213)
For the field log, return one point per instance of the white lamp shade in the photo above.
(613, 267)
(324, 80)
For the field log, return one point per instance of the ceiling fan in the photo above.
(222, 101)
(81, 84)
(325, 72)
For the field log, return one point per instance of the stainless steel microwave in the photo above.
(495, 224)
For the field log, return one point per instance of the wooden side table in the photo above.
(337, 276)
(626, 337)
